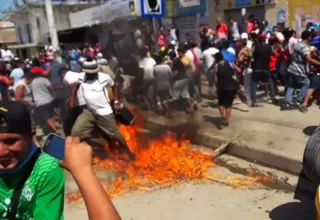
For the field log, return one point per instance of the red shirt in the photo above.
(274, 60)
(249, 27)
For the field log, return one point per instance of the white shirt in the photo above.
(147, 65)
(207, 57)
(71, 78)
(6, 55)
(235, 31)
(291, 43)
(95, 93)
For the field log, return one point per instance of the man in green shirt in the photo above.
(42, 192)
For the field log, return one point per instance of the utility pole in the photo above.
(52, 25)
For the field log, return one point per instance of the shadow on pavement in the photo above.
(309, 130)
(213, 120)
(304, 208)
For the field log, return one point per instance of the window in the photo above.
(28, 29)
(20, 35)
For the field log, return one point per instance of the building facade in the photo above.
(7, 33)
(261, 9)
(285, 13)
(32, 29)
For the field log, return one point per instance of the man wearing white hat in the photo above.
(99, 111)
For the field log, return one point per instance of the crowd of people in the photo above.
(85, 89)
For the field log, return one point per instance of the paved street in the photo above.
(268, 135)
(219, 199)
(265, 131)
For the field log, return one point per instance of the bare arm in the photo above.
(216, 76)
(98, 203)
(20, 95)
(236, 68)
(311, 60)
(74, 97)
(78, 161)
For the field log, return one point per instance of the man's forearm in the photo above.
(98, 203)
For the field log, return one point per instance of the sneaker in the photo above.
(274, 102)
(297, 103)
(303, 108)
(287, 106)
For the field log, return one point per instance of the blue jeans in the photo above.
(304, 82)
(262, 76)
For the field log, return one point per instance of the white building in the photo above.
(32, 26)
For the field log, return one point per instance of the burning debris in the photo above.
(163, 162)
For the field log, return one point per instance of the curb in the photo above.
(238, 148)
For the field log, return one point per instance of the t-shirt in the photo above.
(71, 78)
(40, 90)
(298, 65)
(54, 76)
(249, 27)
(207, 57)
(27, 90)
(179, 66)
(95, 93)
(163, 75)
(190, 55)
(17, 75)
(43, 193)
(261, 56)
(222, 30)
(6, 55)
(147, 65)
(226, 77)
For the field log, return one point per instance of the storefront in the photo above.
(233, 8)
(189, 15)
(26, 50)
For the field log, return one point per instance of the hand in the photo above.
(71, 103)
(32, 104)
(78, 156)
(116, 106)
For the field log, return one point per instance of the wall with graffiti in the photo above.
(302, 12)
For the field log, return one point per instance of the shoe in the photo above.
(287, 106)
(274, 102)
(249, 102)
(297, 103)
(303, 108)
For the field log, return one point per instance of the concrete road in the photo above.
(221, 198)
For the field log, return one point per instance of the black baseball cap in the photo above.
(14, 118)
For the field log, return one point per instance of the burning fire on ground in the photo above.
(163, 162)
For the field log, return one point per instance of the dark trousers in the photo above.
(265, 77)
(70, 119)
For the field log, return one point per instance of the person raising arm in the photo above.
(78, 161)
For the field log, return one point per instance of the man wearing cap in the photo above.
(99, 112)
(31, 182)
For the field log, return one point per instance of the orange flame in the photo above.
(163, 161)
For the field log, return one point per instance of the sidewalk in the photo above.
(268, 135)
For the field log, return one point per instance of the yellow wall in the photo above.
(302, 11)
(271, 10)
